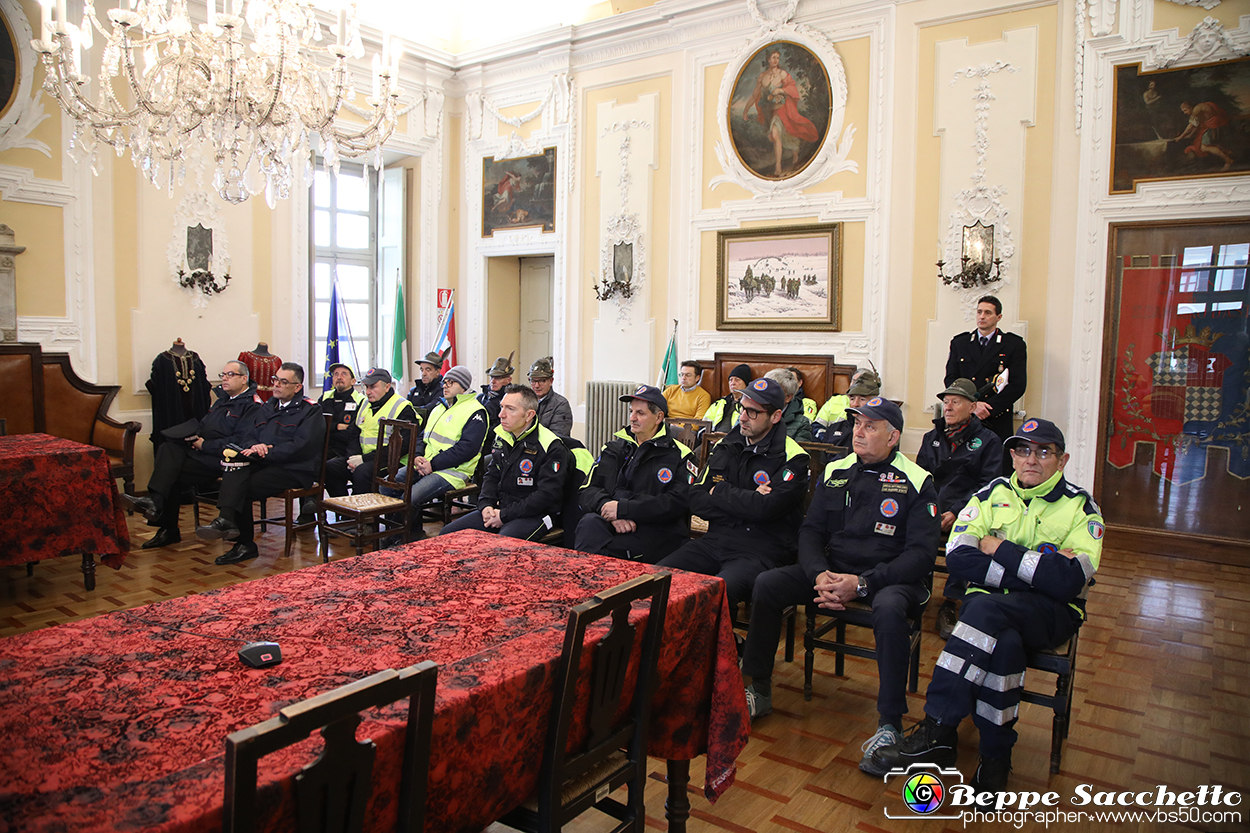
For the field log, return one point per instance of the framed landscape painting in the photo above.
(784, 278)
(1180, 123)
(519, 193)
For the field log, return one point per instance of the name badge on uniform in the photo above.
(349, 406)
(525, 481)
(884, 529)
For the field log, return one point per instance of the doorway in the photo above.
(519, 309)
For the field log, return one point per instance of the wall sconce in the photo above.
(976, 260)
(203, 280)
(606, 290)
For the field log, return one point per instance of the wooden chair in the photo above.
(613, 755)
(332, 792)
(370, 517)
(1060, 661)
(689, 432)
(859, 614)
(292, 498)
(445, 506)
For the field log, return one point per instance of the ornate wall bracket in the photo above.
(198, 251)
(1208, 41)
(557, 107)
(623, 257)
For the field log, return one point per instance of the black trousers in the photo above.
(775, 590)
(528, 529)
(338, 476)
(981, 670)
(723, 555)
(596, 535)
(239, 487)
(174, 470)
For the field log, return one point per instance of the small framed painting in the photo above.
(519, 193)
(783, 278)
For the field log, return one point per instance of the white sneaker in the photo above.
(886, 735)
(758, 704)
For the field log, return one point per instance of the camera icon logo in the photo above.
(924, 788)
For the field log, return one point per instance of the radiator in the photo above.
(605, 413)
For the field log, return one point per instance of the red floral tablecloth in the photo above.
(57, 498)
(119, 724)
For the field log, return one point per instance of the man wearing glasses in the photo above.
(195, 460)
(554, 411)
(751, 495)
(1028, 547)
(282, 450)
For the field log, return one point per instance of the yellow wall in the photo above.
(660, 240)
(503, 286)
(1032, 230)
(1171, 16)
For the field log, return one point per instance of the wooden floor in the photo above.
(1162, 691)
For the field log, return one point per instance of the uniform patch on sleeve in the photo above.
(1096, 530)
(969, 513)
(975, 444)
(1048, 549)
(959, 528)
(555, 465)
(761, 478)
(889, 507)
(786, 475)
(692, 468)
(933, 510)
(664, 475)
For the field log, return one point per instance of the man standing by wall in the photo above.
(997, 364)
(637, 502)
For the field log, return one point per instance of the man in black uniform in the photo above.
(751, 495)
(997, 364)
(871, 534)
(637, 502)
(282, 451)
(498, 377)
(428, 390)
(962, 455)
(523, 487)
(341, 402)
(723, 413)
(196, 460)
(834, 423)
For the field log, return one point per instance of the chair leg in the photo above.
(195, 511)
(1059, 727)
(791, 626)
(128, 486)
(913, 681)
(290, 529)
(809, 655)
(30, 568)
(839, 658)
(324, 543)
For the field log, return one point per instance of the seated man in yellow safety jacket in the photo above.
(357, 464)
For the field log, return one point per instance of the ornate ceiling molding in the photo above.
(558, 107)
(1208, 41)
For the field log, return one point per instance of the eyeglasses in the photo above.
(278, 380)
(228, 375)
(1022, 452)
(752, 413)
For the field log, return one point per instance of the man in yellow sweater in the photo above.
(687, 400)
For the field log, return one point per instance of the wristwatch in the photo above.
(862, 590)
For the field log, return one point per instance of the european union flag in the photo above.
(332, 337)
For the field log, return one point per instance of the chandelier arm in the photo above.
(75, 104)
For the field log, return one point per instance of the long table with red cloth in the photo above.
(116, 723)
(57, 498)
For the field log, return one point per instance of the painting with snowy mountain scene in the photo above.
(785, 278)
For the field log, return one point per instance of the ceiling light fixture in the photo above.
(167, 85)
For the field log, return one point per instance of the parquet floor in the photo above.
(1162, 692)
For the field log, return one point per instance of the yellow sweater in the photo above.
(684, 405)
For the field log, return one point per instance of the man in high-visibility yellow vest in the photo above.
(357, 465)
(451, 445)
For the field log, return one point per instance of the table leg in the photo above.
(677, 807)
(88, 570)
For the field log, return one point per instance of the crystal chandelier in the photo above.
(168, 86)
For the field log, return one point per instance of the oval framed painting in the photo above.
(10, 64)
(779, 110)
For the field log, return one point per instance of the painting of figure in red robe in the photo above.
(1180, 123)
(779, 110)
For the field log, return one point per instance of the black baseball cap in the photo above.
(880, 408)
(337, 365)
(377, 374)
(765, 392)
(1040, 431)
(648, 393)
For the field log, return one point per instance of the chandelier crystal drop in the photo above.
(168, 87)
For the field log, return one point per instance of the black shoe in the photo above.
(991, 775)
(162, 538)
(307, 512)
(219, 528)
(237, 553)
(150, 508)
(929, 742)
(947, 616)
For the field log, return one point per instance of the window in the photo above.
(344, 244)
(1216, 276)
